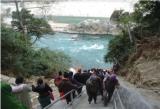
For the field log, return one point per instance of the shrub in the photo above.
(119, 49)
(9, 101)
(19, 56)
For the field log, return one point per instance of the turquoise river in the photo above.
(86, 51)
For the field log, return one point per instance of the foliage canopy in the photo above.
(22, 58)
(119, 49)
(23, 21)
(144, 22)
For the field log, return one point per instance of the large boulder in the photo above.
(94, 26)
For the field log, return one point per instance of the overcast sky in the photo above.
(94, 8)
(90, 8)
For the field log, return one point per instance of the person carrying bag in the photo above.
(45, 92)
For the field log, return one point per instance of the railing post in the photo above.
(122, 106)
(72, 99)
(115, 105)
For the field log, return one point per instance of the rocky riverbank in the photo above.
(90, 26)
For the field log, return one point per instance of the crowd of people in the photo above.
(97, 82)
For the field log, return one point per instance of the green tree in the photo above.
(12, 47)
(32, 26)
(116, 15)
(123, 20)
(22, 58)
(147, 17)
(119, 49)
(144, 22)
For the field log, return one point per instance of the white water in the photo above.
(84, 50)
(91, 47)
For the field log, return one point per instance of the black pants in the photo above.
(110, 93)
(79, 90)
(68, 97)
(91, 96)
(44, 100)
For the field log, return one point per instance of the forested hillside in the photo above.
(20, 57)
(137, 49)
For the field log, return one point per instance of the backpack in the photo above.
(92, 85)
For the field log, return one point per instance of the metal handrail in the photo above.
(120, 100)
(122, 106)
(115, 104)
(59, 99)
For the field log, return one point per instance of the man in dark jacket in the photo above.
(92, 87)
(74, 81)
(43, 89)
(112, 83)
(66, 86)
